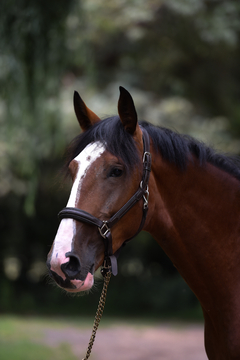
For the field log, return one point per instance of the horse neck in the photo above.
(194, 217)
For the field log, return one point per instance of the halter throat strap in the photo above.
(104, 227)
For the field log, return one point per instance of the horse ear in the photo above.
(127, 111)
(85, 116)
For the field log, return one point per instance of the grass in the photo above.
(20, 339)
(27, 350)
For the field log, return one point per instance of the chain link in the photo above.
(99, 313)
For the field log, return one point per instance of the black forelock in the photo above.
(111, 132)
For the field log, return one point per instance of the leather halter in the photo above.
(104, 227)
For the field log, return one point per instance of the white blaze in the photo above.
(67, 227)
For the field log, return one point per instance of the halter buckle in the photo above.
(145, 195)
(147, 159)
(104, 229)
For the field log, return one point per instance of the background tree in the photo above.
(179, 58)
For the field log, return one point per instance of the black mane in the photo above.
(173, 147)
(176, 149)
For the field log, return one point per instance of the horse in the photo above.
(188, 199)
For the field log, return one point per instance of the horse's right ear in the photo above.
(85, 116)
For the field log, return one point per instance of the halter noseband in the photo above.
(104, 227)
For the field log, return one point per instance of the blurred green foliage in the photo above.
(179, 58)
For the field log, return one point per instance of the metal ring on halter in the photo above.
(104, 230)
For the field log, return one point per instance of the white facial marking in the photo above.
(67, 227)
(84, 160)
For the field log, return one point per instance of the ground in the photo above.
(128, 342)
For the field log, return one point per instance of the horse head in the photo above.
(106, 172)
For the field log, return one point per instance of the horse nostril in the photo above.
(72, 268)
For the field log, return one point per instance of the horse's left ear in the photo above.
(127, 111)
(85, 116)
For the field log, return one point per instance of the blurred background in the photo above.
(180, 61)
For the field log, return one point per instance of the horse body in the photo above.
(193, 214)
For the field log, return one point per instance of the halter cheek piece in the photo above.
(104, 227)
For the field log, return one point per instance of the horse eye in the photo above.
(116, 172)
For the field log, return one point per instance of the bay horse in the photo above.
(192, 195)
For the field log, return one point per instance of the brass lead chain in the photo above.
(99, 313)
